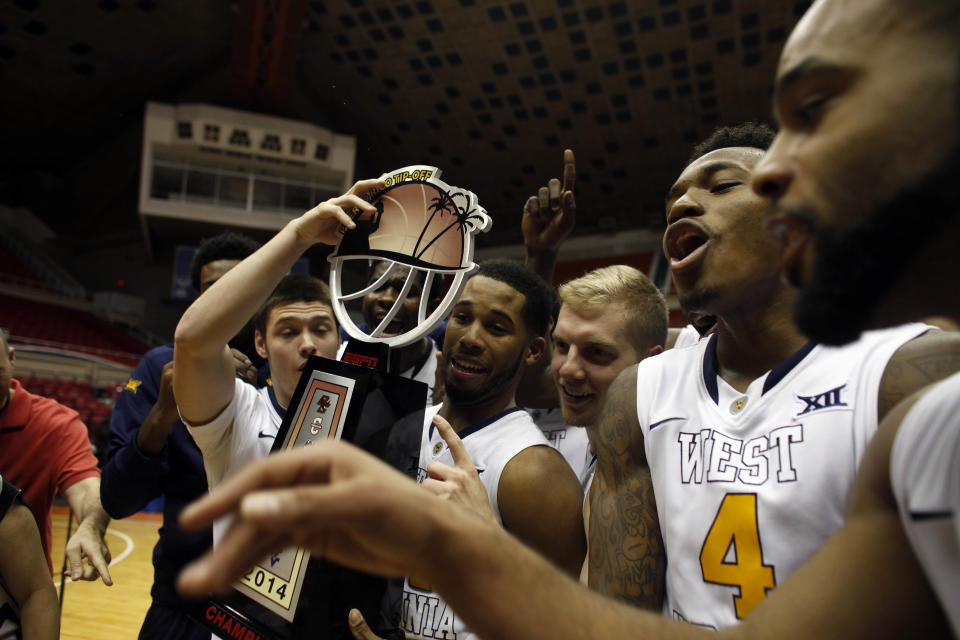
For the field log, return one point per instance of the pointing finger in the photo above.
(461, 458)
(569, 170)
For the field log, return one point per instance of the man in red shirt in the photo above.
(44, 449)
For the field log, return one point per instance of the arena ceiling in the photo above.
(490, 91)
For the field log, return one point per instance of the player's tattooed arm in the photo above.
(626, 555)
(927, 358)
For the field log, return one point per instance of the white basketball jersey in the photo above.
(491, 445)
(572, 442)
(687, 337)
(750, 485)
(925, 475)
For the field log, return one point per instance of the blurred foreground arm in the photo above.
(340, 502)
(344, 504)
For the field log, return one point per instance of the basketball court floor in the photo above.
(94, 611)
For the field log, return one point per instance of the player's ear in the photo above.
(260, 344)
(535, 350)
(654, 350)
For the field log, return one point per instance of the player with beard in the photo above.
(852, 77)
(737, 455)
(869, 253)
(496, 330)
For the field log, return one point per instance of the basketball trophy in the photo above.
(422, 234)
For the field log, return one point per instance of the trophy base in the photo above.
(290, 595)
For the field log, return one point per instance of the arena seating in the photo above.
(62, 327)
(14, 271)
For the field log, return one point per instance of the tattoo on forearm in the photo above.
(625, 548)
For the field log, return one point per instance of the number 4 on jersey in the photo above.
(735, 528)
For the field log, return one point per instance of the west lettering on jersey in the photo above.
(714, 456)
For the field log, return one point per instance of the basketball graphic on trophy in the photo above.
(417, 245)
(421, 225)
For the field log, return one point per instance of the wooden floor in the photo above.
(92, 610)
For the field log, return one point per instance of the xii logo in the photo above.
(826, 400)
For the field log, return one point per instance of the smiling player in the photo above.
(496, 330)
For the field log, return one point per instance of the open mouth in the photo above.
(684, 244)
(394, 327)
(575, 397)
(684, 240)
(467, 367)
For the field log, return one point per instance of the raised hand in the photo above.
(321, 223)
(459, 484)
(549, 216)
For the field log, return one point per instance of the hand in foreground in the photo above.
(321, 223)
(359, 627)
(549, 216)
(459, 484)
(331, 498)
(88, 543)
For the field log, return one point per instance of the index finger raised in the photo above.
(569, 170)
(459, 452)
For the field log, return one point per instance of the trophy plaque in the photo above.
(421, 235)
